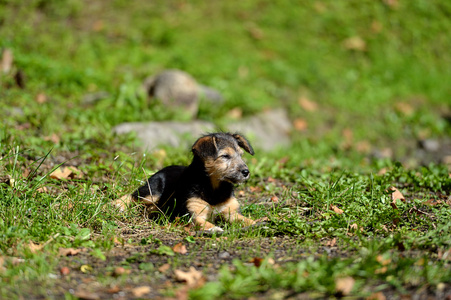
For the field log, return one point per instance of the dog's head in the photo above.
(221, 154)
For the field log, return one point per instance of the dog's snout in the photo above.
(245, 172)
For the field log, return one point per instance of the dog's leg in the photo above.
(125, 201)
(230, 211)
(201, 211)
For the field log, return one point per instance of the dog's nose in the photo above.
(245, 172)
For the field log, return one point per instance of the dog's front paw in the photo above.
(215, 229)
(211, 231)
(123, 202)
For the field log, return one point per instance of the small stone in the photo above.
(174, 88)
(224, 255)
(430, 145)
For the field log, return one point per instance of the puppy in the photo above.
(204, 189)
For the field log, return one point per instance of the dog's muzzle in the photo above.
(245, 173)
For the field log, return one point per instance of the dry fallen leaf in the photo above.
(42, 190)
(383, 261)
(41, 98)
(85, 295)
(354, 226)
(404, 108)
(396, 195)
(141, 291)
(53, 138)
(182, 293)
(2, 260)
(68, 251)
(257, 261)
(355, 43)
(114, 289)
(382, 171)
(164, 268)
(66, 173)
(263, 219)
(25, 173)
(118, 241)
(344, 285)
(235, 113)
(363, 147)
(336, 209)
(34, 247)
(7, 60)
(392, 3)
(179, 248)
(193, 277)
(271, 261)
(432, 202)
(381, 270)
(307, 104)
(300, 124)
(255, 189)
(331, 243)
(61, 173)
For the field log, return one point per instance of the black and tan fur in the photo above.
(204, 189)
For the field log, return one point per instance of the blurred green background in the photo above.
(378, 71)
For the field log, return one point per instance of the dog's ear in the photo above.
(205, 147)
(243, 143)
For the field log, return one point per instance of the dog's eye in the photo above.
(226, 156)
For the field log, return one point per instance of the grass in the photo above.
(376, 72)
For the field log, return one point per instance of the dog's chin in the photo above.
(236, 180)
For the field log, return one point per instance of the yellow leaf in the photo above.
(86, 268)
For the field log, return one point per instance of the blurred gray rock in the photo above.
(210, 94)
(175, 134)
(176, 88)
(267, 130)
(434, 151)
(429, 145)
